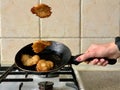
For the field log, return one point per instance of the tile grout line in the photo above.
(80, 27)
(40, 23)
(0, 33)
(119, 19)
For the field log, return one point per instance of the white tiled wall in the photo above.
(100, 20)
(20, 27)
(76, 23)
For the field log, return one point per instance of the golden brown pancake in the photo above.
(41, 10)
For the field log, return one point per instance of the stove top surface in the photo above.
(67, 73)
(34, 84)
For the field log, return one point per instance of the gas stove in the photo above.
(64, 79)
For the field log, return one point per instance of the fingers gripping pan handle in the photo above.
(73, 60)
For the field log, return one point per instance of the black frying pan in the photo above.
(59, 53)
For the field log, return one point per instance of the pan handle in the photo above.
(73, 60)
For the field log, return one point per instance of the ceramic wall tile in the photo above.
(64, 20)
(10, 47)
(20, 27)
(89, 67)
(72, 43)
(100, 18)
(17, 19)
(0, 19)
(92, 21)
(86, 42)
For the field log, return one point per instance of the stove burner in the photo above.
(46, 85)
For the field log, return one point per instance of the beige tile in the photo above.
(89, 67)
(71, 43)
(17, 19)
(86, 42)
(64, 20)
(10, 47)
(100, 18)
(0, 19)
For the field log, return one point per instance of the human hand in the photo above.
(108, 50)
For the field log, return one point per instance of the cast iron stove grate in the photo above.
(4, 72)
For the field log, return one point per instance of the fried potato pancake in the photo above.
(28, 60)
(41, 10)
(44, 65)
(40, 45)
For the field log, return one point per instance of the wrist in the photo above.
(114, 51)
(117, 42)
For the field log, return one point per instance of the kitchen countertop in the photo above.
(98, 80)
